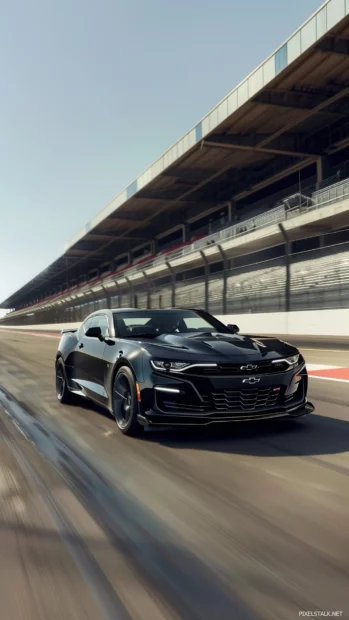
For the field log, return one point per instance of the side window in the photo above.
(86, 325)
(102, 322)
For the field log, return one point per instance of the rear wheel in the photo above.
(125, 406)
(62, 391)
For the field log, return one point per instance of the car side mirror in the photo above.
(94, 332)
(233, 328)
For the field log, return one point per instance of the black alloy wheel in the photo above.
(62, 391)
(125, 406)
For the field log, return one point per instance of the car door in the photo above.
(77, 358)
(90, 356)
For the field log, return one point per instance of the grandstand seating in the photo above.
(259, 289)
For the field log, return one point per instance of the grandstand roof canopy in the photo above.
(291, 110)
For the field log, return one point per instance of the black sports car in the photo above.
(178, 367)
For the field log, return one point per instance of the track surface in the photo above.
(251, 523)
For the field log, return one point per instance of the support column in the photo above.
(107, 297)
(93, 299)
(322, 170)
(148, 289)
(173, 284)
(131, 296)
(185, 232)
(204, 258)
(288, 269)
(118, 293)
(225, 269)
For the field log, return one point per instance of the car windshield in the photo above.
(153, 323)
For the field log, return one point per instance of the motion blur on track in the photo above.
(248, 521)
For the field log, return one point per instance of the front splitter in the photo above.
(154, 419)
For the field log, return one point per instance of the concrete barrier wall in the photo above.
(305, 323)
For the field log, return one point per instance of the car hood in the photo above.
(220, 346)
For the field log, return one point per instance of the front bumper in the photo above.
(154, 419)
(199, 401)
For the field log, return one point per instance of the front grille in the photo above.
(240, 401)
(241, 369)
(246, 400)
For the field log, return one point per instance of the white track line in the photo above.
(324, 350)
(29, 333)
(311, 367)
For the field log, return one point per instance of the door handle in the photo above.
(81, 346)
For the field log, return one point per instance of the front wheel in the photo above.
(125, 406)
(62, 392)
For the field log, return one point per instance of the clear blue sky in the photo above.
(93, 92)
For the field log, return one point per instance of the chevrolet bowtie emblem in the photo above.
(251, 380)
(248, 367)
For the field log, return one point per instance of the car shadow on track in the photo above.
(89, 405)
(310, 436)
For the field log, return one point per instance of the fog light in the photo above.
(161, 388)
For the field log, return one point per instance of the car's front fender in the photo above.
(122, 353)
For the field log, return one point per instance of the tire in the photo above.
(62, 391)
(125, 405)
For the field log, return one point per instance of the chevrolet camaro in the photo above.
(178, 367)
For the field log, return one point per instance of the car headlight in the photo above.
(293, 361)
(166, 365)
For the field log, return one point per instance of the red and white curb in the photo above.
(328, 373)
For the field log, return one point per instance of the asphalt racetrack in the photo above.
(250, 521)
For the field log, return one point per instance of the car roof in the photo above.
(120, 310)
(117, 310)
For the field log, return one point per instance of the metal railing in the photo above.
(306, 203)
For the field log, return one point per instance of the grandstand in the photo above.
(257, 194)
